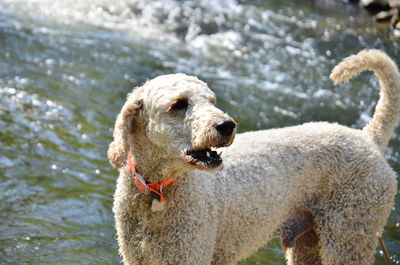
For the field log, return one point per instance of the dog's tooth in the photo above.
(208, 154)
(220, 153)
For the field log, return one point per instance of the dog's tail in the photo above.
(387, 112)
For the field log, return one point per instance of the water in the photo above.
(66, 67)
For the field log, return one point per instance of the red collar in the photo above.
(154, 190)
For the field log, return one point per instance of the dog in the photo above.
(325, 189)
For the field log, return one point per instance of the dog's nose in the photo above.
(225, 127)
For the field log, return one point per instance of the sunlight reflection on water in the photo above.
(66, 67)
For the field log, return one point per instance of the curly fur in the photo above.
(324, 188)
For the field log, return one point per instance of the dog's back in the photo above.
(328, 186)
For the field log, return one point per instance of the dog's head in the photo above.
(172, 119)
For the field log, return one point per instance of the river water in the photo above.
(66, 67)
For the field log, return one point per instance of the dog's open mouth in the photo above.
(203, 159)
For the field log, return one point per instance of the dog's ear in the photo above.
(124, 127)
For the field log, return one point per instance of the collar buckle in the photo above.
(154, 190)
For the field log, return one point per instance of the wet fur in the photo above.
(324, 188)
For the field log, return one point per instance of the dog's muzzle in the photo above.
(207, 159)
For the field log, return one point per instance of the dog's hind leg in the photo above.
(300, 240)
(350, 220)
(305, 250)
(347, 240)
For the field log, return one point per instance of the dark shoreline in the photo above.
(385, 11)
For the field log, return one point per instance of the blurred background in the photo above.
(66, 67)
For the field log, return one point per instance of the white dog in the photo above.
(324, 188)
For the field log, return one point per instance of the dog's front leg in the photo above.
(190, 248)
(188, 239)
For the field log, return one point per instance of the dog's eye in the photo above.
(180, 104)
